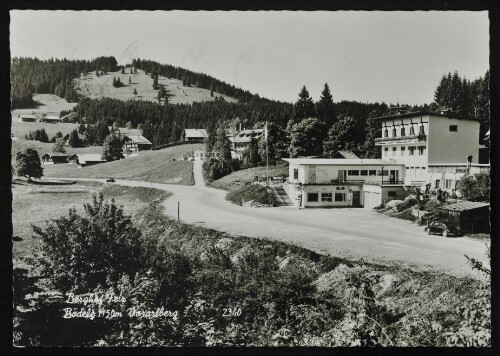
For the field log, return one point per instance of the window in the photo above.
(448, 183)
(436, 184)
(372, 172)
(312, 197)
(403, 133)
(326, 197)
(363, 172)
(453, 128)
(353, 173)
(394, 151)
(386, 133)
(411, 151)
(384, 173)
(412, 130)
(386, 151)
(295, 173)
(403, 151)
(394, 132)
(391, 193)
(421, 150)
(421, 132)
(339, 196)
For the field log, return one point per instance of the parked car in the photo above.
(437, 227)
(110, 180)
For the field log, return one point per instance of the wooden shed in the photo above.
(468, 216)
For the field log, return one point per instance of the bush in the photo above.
(253, 192)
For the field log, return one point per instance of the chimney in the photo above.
(240, 126)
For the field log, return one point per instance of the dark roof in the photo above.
(345, 154)
(422, 113)
(465, 205)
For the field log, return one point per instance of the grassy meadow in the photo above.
(230, 182)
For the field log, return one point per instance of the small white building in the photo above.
(436, 149)
(27, 118)
(325, 182)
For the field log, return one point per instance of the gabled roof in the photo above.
(345, 154)
(245, 136)
(464, 205)
(341, 162)
(58, 154)
(422, 113)
(28, 116)
(90, 157)
(140, 140)
(195, 133)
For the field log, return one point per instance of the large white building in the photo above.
(436, 149)
(240, 140)
(324, 182)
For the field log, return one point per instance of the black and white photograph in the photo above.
(250, 178)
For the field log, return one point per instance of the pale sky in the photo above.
(364, 56)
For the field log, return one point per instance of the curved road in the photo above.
(349, 233)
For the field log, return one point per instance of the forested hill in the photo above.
(165, 123)
(54, 76)
(200, 80)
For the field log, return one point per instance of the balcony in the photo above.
(400, 139)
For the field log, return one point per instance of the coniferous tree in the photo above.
(74, 140)
(58, 146)
(135, 91)
(304, 107)
(155, 82)
(326, 107)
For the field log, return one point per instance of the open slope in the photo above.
(95, 87)
(151, 166)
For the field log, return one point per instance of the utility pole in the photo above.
(267, 156)
(178, 210)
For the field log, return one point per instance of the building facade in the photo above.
(321, 182)
(240, 140)
(436, 149)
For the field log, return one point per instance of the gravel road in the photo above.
(350, 233)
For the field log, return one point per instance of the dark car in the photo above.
(442, 228)
(111, 180)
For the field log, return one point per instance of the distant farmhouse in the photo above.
(86, 159)
(420, 149)
(132, 139)
(50, 119)
(27, 118)
(195, 135)
(54, 158)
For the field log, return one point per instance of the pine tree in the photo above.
(74, 140)
(155, 82)
(58, 146)
(304, 107)
(326, 107)
(135, 91)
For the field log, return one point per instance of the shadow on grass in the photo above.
(34, 182)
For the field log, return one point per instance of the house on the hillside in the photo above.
(330, 182)
(345, 154)
(136, 143)
(86, 159)
(195, 135)
(437, 149)
(469, 217)
(54, 158)
(240, 140)
(27, 118)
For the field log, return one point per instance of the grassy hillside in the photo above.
(49, 104)
(247, 176)
(153, 166)
(100, 87)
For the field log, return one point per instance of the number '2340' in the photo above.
(231, 312)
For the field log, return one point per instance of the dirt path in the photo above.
(349, 233)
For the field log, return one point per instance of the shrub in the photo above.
(253, 192)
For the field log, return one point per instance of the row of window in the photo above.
(448, 184)
(326, 197)
(367, 172)
(412, 151)
(452, 128)
(403, 131)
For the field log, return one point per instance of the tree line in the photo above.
(53, 76)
